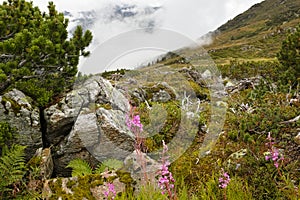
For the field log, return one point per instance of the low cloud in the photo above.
(193, 19)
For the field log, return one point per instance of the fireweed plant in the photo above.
(273, 153)
(134, 124)
(165, 179)
(110, 193)
(224, 181)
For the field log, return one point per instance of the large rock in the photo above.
(94, 92)
(17, 110)
(115, 140)
(89, 123)
(72, 146)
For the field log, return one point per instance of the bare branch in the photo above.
(7, 36)
(291, 120)
(29, 77)
(4, 85)
(7, 56)
(22, 63)
(45, 57)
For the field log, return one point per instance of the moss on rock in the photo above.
(13, 104)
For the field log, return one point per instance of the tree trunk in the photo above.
(4, 85)
(43, 124)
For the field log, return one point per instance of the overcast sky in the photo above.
(191, 18)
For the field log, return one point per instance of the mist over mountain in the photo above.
(114, 16)
(86, 19)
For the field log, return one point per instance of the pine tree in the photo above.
(6, 134)
(289, 56)
(36, 55)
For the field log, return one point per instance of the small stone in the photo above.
(7, 105)
(229, 84)
(207, 74)
(297, 139)
(161, 96)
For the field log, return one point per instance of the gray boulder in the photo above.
(61, 117)
(89, 123)
(17, 110)
(91, 94)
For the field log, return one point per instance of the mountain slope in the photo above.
(257, 33)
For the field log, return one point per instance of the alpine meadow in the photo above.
(175, 128)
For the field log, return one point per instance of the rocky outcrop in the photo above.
(17, 110)
(88, 123)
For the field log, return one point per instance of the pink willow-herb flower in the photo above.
(111, 189)
(166, 180)
(224, 179)
(134, 122)
(273, 152)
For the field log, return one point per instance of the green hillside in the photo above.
(256, 34)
